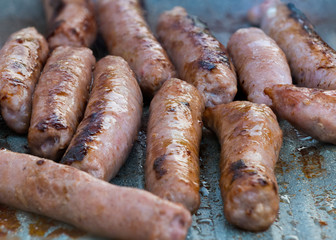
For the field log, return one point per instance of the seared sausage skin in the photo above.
(312, 111)
(70, 23)
(21, 60)
(200, 59)
(312, 61)
(250, 139)
(64, 193)
(127, 34)
(259, 63)
(173, 139)
(59, 100)
(111, 122)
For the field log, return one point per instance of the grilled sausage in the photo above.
(312, 111)
(21, 61)
(127, 35)
(173, 139)
(259, 62)
(61, 192)
(200, 59)
(250, 139)
(111, 122)
(70, 23)
(312, 61)
(59, 100)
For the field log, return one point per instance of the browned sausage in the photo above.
(70, 23)
(111, 122)
(173, 139)
(127, 35)
(312, 61)
(200, 59)
(59, 100)
(21, 61)
(62, 192)
(312, 111)
(250, 139)
(259, 62)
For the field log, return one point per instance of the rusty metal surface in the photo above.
(306, 170)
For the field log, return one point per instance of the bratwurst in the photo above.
(70, 23)
(312, 61)
(111, 122)
(59, 100)
(250, 139)
(312, 111)
(173, 139)
(64, 193)
(200, 59)
(127, 34)
(259, 62)
(21, 60)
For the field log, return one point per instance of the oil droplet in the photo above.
(285, 199)
(206, 221)
(290, 237)
(204, 192)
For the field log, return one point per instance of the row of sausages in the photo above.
(248, 132)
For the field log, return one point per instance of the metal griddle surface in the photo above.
(306, 170)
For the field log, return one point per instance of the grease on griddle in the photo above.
(8, 220)
(312, 162)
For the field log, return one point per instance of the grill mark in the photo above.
(239, 170)
(53, 121)
(158, 167)
(93, 126)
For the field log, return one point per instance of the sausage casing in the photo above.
(312, 61)
(21, 60)
(127, 34)
(173, 139)
(70, 23)
(111, 122)
(59, 100)
(250, 139)
(312, 111)
(64, 193)
(199, 58)
(259, 63)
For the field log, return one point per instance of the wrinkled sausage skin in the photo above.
(199, 58)
(59, 100)
(259, 63)
(312, 61)
(67, 194)
(70, 23)
(127, 34)
(312, 111)
(250, 139)
(21, 61)
(173, 139)
(111, 122)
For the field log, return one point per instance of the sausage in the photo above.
(70, 23)
(312, 111)
(127, 34)
(111, 122)
(312, 61)
(250, 139)
(64, 193)
(21, 60)
(259, 63)
(200, 59)
(173, 138)
(59, 100)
